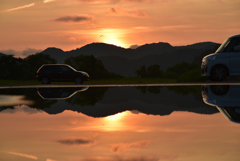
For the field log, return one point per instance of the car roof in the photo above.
(235, 36)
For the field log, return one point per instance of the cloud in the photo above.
(28, 5)
(20, 7)
(47, 1)
(24, 53)
(30, 51)
(24, 155)
(135, 46)
(123, 147)
(119, 11)
(79, 141)
(120, 158)
(75, 19)
(115, 1)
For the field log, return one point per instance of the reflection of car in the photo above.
(60, 73)
(59, 93)
(225, 98)
(224, 62)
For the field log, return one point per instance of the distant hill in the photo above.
(1, 54)
(126, 61)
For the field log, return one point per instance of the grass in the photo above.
(131, 80)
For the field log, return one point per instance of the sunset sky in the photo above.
(29, 25)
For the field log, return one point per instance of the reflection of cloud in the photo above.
(24, 155)
(47, 1)
(20, 7)
(119, 11)
(75, 18)
(131, 158)
(123, 147)
(115, 1)
(79, 141)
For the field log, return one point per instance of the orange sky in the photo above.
(70, 24)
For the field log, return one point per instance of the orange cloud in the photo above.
(79, 141)
(75, 19)
(119, 11)
(20, 7)
(123, 147)
(24, 155)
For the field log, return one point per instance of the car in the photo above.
(59, 93)
(225, 98)
(224, 62)
(48, 73)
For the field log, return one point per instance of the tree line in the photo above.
(26, 68)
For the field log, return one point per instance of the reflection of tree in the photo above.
(87, 98)
(186, 90)
(153, 89)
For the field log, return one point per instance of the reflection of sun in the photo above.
(114, 122)
(115, 117)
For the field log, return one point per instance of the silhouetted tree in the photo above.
(180, 68)
(33, 62)
(150, 72)
(10, 67)
(91, 65)
(142, 71)
(154, 71)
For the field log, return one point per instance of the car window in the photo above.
(230, 46)
(65, 69)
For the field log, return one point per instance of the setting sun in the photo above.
(112, 36)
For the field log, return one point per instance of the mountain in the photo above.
(1, 54)
(126, 61)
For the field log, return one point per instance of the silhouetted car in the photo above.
(225, 98)
(59, 93)
(224, 62)
(48, 73)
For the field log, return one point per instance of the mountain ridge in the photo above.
(126, 61)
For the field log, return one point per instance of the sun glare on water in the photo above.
(114, 122)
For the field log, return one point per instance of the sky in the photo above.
(29, 26)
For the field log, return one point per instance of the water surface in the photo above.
(120, 123)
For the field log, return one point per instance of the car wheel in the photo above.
(220, 89)
(219, 73)
(45, 80)
(78, 80)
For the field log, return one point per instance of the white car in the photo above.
(224, 62)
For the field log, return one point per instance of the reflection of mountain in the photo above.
(101, 102)
(126, 61)
(121, 99)
(225, 98)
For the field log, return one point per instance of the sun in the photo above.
(114, 41)
(112, 36)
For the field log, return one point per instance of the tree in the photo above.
(180, 68)
(33, 62)
(142, 71)
(10, 67)
(91, 65)
(152, 71)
